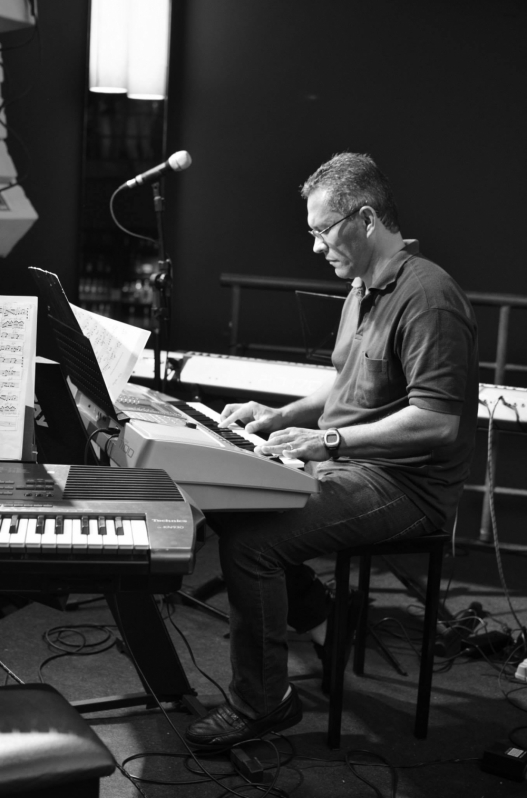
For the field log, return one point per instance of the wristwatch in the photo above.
(332, 441)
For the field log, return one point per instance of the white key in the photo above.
(4, 531)
(94, 539)
(111, 540)
(248, 436)
(79, 541)
(33, 538)
(140, 534)
(49, 538)
(126, 541)
(65, 541)
(18, 539)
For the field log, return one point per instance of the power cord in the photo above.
(353, 759)
(82, 648)
(267, 791)
(111, 431)
(169, 617)
(10, 674)
(490, 469)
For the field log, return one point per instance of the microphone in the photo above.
(177, 162)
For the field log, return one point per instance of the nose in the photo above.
(319, 245)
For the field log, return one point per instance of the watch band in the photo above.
(332, 441)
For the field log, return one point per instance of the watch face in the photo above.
(332, 439)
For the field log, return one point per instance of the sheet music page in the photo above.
(117, 347)
(18, 346)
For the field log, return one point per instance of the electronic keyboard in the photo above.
(92, 529)
(506, 405)
(217, 467)
(59, 519)
(237, 375)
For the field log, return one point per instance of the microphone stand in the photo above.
(161, 283)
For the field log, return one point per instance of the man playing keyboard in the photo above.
(390, 439)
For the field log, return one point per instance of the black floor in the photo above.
(475, 702)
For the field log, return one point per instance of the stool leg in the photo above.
(359, 651)
(427, 652)
(338, 653)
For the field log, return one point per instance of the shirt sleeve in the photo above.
(436, 350)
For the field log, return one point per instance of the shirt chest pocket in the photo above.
(373, 384)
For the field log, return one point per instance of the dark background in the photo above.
(261, 93)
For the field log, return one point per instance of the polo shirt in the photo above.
(411, 339)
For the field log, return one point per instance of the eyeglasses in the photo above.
(321, 233)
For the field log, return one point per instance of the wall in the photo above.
(434, 91)
(261, 94)
(45, 90)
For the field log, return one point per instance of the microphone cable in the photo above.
(118, 223)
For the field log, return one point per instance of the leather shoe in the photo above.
(225, 726)
(324, 652)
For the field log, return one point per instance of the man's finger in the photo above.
(290, 451)
(232, 418)
(256, 426)
(228, 410)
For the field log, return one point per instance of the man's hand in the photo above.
(296, 442)
(257, 417)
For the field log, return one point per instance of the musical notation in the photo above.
(17, 310)
(13, 324)
(116, 345)
(18, 319)
(9, 372)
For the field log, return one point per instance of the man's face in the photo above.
(346, 246)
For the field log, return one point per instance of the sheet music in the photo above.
(117, 347)
(18, 344)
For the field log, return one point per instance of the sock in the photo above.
(318, 634)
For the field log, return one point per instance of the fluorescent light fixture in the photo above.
(148, 36)
(108, 46)
(129, 47)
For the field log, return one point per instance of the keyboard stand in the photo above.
(153, 654)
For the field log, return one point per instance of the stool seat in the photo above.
(431, 544)
(45, 746)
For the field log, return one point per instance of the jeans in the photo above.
(262, 556)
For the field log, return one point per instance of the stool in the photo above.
(433, 545)
(47, 750)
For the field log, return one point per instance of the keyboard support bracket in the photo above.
(152, 652)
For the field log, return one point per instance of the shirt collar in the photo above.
(391, 271)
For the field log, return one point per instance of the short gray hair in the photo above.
(353, 179)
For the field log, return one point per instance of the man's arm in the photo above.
(260, 418)
(411, 431)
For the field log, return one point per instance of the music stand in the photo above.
(319, 331)
(77, 361)
(136, 614)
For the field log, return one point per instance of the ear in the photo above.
(369, 219)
